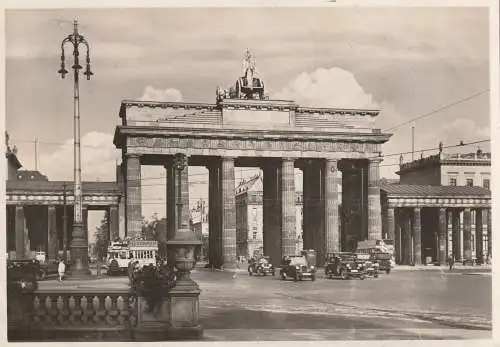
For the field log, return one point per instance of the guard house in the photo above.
(440, 208)
(243, 128)
(35, 209)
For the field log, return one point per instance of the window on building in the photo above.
(254, 235)
(453, 181)
(486, 183)
(469, 182)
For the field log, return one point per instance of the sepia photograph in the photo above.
(249, 173)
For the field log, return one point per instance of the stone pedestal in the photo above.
(151, 326)
(79, 268)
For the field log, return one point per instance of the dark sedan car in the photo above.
(344, 265)
(298, 268)
(261, 266)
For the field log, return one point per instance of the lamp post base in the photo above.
(79, 268)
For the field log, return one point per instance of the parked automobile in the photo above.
(344, 265)
(261, 266)
(384, 261)
(370, 267)
(297, 267)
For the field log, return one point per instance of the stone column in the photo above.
(490, 253)
(120, 174)
(133, 196)
(85, 221)
(417, 236)
(113, 223)
(52, 233)
(288, 216)
(229, 212)
(397, 238)
(171, 194)
(271, 213)
(215, 214)
(467, 234)
(455, 225)
(20, 226)
(408, 250)
(391, 225)
(332, 236)
(443, 236)
(374, 209)
(479, 235)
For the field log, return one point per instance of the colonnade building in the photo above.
(441, 208)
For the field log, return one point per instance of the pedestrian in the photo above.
(61, 269)
(98, 266)
(451, 261)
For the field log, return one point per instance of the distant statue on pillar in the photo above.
(248, 68)
(440, 147)
(401, 160)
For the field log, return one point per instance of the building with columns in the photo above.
(249, 217)
(243, 128)
(35, 210)
(440, 208)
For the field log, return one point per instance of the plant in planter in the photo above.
(153, 282)
(21, 277)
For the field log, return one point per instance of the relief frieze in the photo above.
(252, 144)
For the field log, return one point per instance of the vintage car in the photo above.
(369, 266)
(344, 265)
(297, 267)
(384, 261)
(261, 266)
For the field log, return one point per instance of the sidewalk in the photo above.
(456, 267)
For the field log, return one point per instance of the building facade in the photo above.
(440, 209)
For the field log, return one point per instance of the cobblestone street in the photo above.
(402, 305)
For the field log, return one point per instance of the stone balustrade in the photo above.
(92, 314)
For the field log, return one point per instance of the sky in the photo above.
(407, 62)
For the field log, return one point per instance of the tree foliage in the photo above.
(101, 237)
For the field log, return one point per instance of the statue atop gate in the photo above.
(248, 86)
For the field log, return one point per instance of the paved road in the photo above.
(402, 305)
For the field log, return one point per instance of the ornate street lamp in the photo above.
(185, 241)
(79, 250)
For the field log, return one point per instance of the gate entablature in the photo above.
(264, 128)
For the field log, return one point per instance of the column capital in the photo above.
(375, 160)
(417, 209)
(132, 156)
(287, 159)
(224, 158)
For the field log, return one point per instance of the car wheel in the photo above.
(249, 273)
(362, 277)
(343, 275)
(376, 276)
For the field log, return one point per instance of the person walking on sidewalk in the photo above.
(61, 269)
(451, 261)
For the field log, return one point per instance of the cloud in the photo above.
(99, 157)
(332, 87)
(153, 94)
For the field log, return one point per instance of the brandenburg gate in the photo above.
(246, 129)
